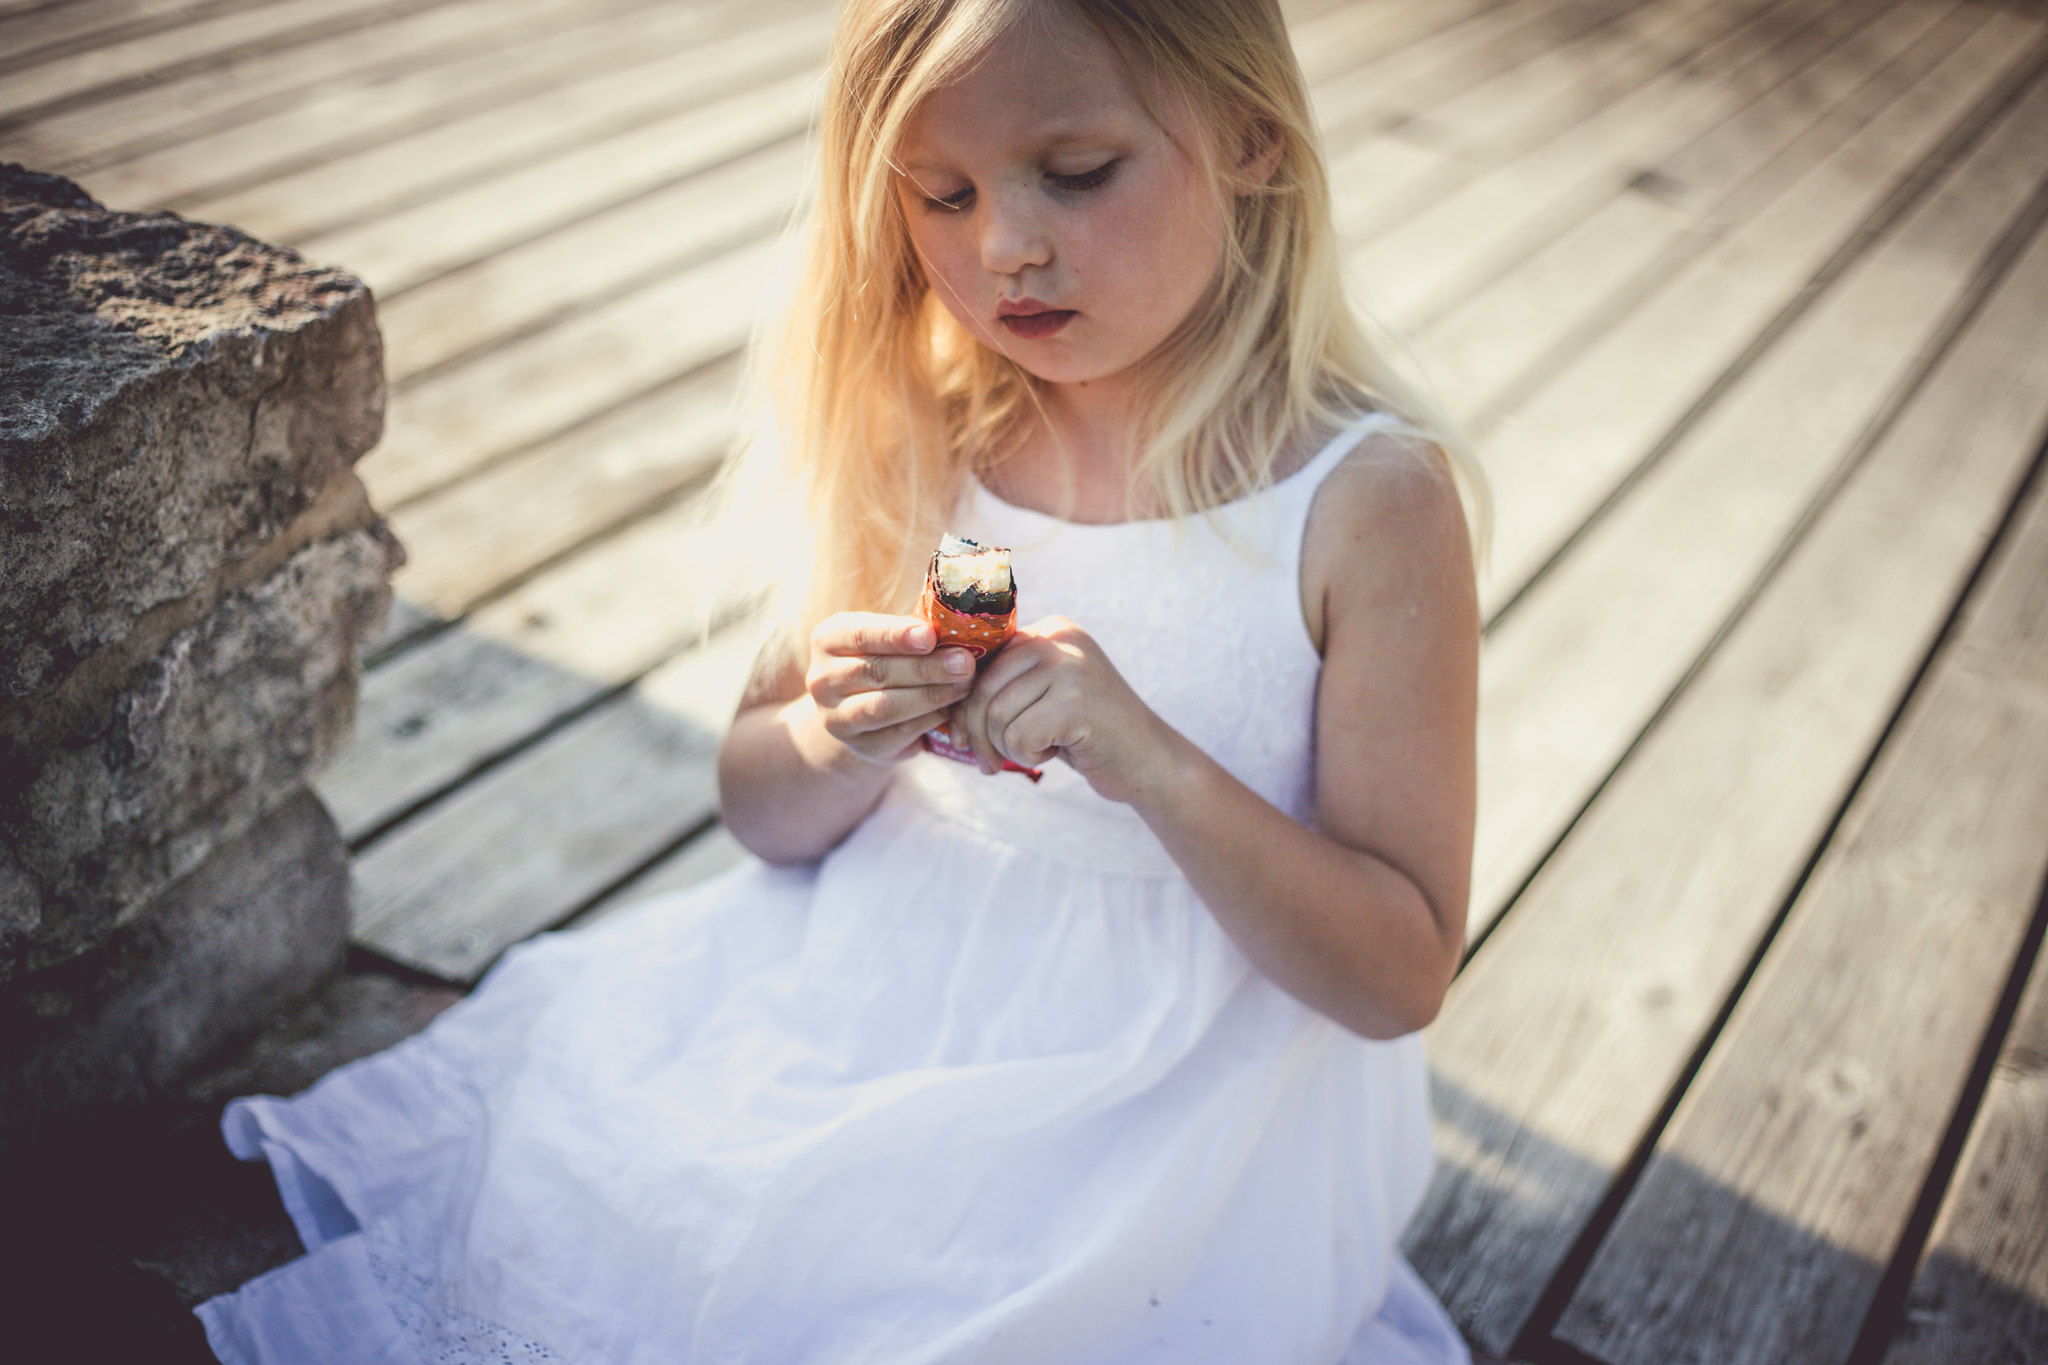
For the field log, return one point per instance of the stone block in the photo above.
(173, 395)
(261, 923)
(201, 741)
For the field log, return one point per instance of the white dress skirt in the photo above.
(987, 1084)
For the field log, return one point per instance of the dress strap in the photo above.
(1298, 490)
(1342, 444)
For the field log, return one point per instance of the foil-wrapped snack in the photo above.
(970, 599)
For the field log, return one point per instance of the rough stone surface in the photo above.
(172, 395)
(261, 924)
(220, 726)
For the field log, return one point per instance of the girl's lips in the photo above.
(1032, 326)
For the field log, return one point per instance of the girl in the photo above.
(1118, 1067)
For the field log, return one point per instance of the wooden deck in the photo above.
(1746, 304)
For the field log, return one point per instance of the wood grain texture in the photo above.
(708, 855)
(341, 117)
(523, 288)
(1556, 457)
(1773, 1200)
(1575, 79)
(1491, 350)
(471, 539)
(1339, 41)
(596, 620)
(245, 87)
(439, 177)
(536, 839)
(76, 74)
(1571, 676)
(434, 715)
(539, 385)
(33, 31)
(1437, 255)
(1982, 1288)
(399, 250)
(1353, 90)
(1628, 941)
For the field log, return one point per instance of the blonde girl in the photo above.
(1117, 1067)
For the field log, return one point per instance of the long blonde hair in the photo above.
(884, 405)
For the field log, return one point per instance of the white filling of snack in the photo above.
(964, 565)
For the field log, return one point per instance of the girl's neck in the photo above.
(1076, 460)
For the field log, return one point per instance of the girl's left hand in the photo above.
(1050, 691)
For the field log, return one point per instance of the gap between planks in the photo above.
(1631, 932)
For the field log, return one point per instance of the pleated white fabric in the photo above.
(986, 1085)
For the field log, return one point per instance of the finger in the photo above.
(869, 632)
(893, 742)
(871, 711)
(842, 678)
(1028, 739)
(970, 723)
(1017, 660)
(1008, 707)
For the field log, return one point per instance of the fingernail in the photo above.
(922, 637)
(958, 662)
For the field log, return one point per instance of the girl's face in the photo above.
(1058, 222)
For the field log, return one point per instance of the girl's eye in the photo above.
(950, 203)
(1085, 180)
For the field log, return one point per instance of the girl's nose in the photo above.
(1013, 235)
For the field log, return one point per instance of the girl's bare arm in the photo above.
(811, 750)
(1364, 920)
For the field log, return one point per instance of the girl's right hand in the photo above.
(879, 682)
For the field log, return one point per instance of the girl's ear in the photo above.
(1263, 144)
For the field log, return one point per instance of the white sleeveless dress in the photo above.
(987, 1085)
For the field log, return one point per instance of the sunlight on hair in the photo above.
(876, 404)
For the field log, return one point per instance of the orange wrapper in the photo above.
(980, 634)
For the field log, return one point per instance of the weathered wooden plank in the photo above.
(1723, 59)
(32, 30)
(75, 75)
(1342, 38)
(536, 839)
(1773, 1200)
(1555, 458)
(708, 855)
(1569, 81)
(1571, 676)
(344, 117)
(516, 290)
(622, 605)
(243, 87)
(1878, 53)
(589, 143)
(1982, 1288)
(469, 539)
(403, 249)
(1471, 355)
(1351, 87)
(1628, 940)
(431, 715)
(1490, 351)
(1391, 177)
(531, 389)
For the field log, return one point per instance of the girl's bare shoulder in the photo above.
(1386, 531)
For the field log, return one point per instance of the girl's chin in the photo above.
(1060, 369)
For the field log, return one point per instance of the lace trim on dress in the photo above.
(441, 1335)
